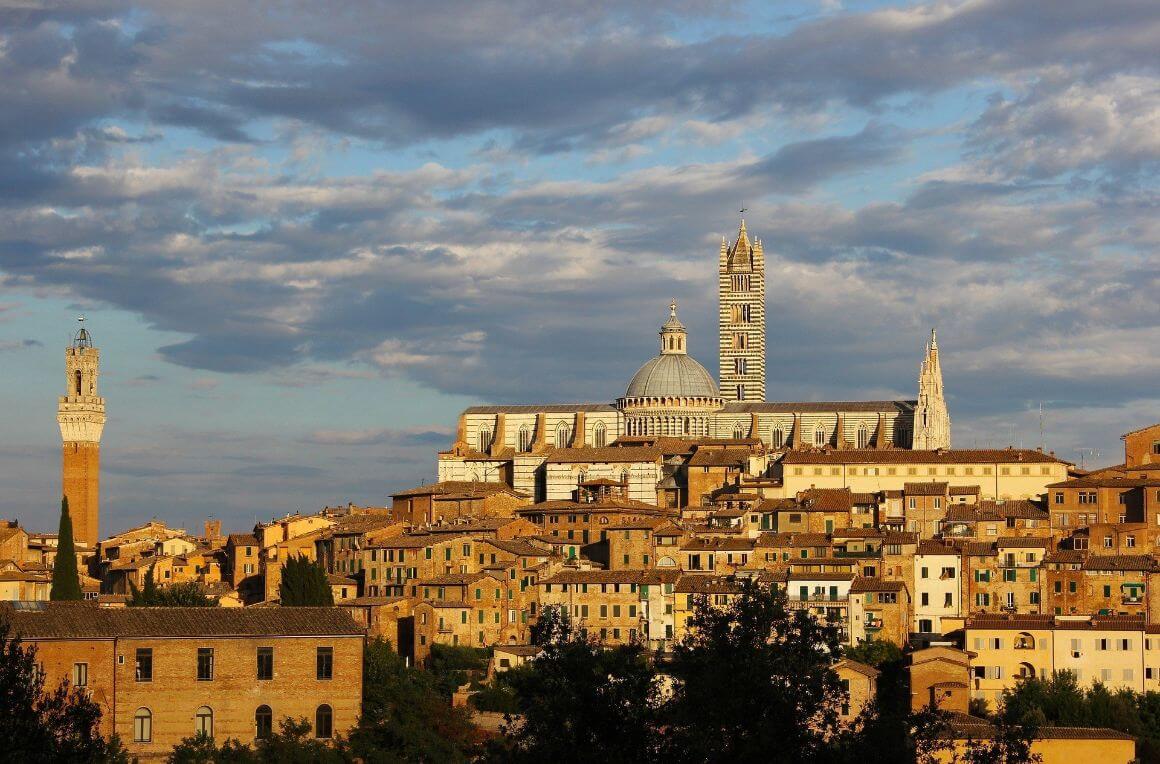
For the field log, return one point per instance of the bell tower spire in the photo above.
(741, 318)
(80, 412)
(932, 421)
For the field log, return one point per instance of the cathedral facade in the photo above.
(672, 396)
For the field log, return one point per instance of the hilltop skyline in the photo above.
(300, 265)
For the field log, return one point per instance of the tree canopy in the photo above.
(187, 594)
(304, 584)
(66, 581)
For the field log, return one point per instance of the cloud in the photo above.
(10, 345)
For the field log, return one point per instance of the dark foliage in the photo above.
(304, 584)
(292, 744)
(178, 595)
(62, 724)
(404, 716)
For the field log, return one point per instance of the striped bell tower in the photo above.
(741, 318)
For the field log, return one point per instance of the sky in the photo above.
(305, 235)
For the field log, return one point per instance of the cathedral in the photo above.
(673, 396)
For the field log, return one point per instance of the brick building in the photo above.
(163, 674)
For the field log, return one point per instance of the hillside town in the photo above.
(984, 566)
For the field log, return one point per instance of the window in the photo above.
(739, 365)
(143, 670)
(525, 439)
(599, 435)
(325, 662)
(863, 436)
(80, 675)
(204, 664)
(143, 726)
(562, 435)
(203, 721)
(819, 436)
(265, 663)
(263, 722)
(323, 722)
(484, 440)
(740, 340)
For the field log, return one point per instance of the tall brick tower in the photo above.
(741, 318)
(81, 415)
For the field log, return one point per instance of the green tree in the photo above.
(304, 584)
(581, 702)
(754, 677)
(39, 725)
(404, 717)
(875, 652)
(66, 581)
(188, 594)
(292, 744)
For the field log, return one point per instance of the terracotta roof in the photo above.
(719, 544)
(411, 541)
(963, 490)
(521, 547)
(455, 486)
(816, 407)
(1024, 542)
(454, 579)
(977, 548)
(900, 537)
(858, 533)
(925, 489)
(913, 456)
(243, 539)
(336, 580)
(371, 601)
(605, 455)
(1107, 482)
(525, 650)
(80, 621)
(1138, 562)
(695, 584)
(864, 498)
(825, 499)
(640, 524)
(613, 577)
(776, 505)
(1066, 556)
(858, 666)
(930, 546)
(1018, 508)
(1027, 621)
(821, 576)
(1142, 429)
(544, 408)
(726, 457)
(864, 584)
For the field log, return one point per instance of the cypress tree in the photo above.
(304, 583)
(66, 582)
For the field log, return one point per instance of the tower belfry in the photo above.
(932, 421)
(81, 415)
(741, 318)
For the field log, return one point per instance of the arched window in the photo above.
(863, 436)
(263, 722)
(525, 439)
(624, 477)
(203, 721)
(738, 432)
(582, 476)
(484, 440)
(740, 393)
(78, 382)
(599, 435)
(562, 435)
(143, 726)
(323, 722)
(820, 436)
(777, 438)
(687, 429)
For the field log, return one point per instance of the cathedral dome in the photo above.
(672, 375)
